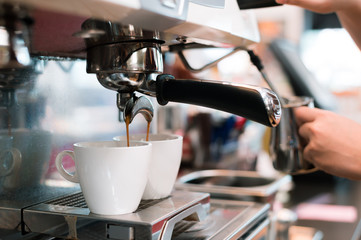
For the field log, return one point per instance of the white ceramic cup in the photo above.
(165, 163)
(112, 176)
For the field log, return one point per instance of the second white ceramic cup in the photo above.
(112, 176)
(165, 163)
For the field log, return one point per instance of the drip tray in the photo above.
(233, 184)
(65, 216)
(184, 215)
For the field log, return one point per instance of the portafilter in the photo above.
(129, 59)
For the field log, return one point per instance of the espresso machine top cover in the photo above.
(57, 23)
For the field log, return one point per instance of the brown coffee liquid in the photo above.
(127, 122)
(148, 128)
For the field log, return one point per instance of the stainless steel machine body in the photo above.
(47, 104)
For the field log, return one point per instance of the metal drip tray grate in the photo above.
(74, 200)
(144, 204)
(78, 200)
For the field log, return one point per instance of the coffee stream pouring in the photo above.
(128, 59)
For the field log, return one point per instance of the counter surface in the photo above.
(339, 198)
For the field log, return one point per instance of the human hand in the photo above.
(331, 142)
(322, 6)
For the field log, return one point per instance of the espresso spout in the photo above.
(254, 103)
(136, 105)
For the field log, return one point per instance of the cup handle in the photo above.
(16, 161)
(12, 178)
(59, 165)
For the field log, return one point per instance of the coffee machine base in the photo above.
(183, 215)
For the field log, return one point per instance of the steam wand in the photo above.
(257, 62)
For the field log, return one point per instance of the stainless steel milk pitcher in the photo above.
(285, 146)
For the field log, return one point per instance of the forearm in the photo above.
(351, 21)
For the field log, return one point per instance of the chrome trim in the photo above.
(260, 231)
(136, 105)
(133, 57)
(113, 32)
(272, 105)
(197, 210)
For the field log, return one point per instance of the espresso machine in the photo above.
(119, 44)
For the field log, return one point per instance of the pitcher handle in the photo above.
(63, 172)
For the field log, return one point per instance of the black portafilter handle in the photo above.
(251, 102)
(250, 4)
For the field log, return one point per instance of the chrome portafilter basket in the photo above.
(125, 59)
